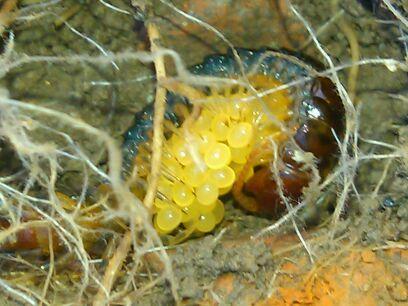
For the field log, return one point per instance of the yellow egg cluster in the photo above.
(203, 159)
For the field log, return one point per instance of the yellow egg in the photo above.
(172, 167)
(167, 155)
(206, 140)
(194, 176)
(240, 155)
(203, 122)
(207, 193)
(223, 177)
(190, 213)
(165, 187)
(158, 229)
(235, 109)
(267, 131)
(240, 135)
(142, 167)
(223, 191)
(168, 218)
(219, 126)
(262, 120)
(218, 156)
(182, 195)
(160, 204)
(251, 116)
(181, 152)
(190, 225)
(246, 109)
(204, 208)
(218, 211)
(206, 223)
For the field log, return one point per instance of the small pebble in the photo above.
(389, 202)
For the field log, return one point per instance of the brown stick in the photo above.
(159, 109)
(111, 272)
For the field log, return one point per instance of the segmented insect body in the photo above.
(37, 236)
(29, 238)
(141, 131)
(228, 147)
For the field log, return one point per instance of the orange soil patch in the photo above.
(355, 278)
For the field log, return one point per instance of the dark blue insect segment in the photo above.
(143, 123)
(282, 67)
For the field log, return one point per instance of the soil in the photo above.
(228, 267)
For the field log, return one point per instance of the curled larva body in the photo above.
(285, 103)
(233, 139)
